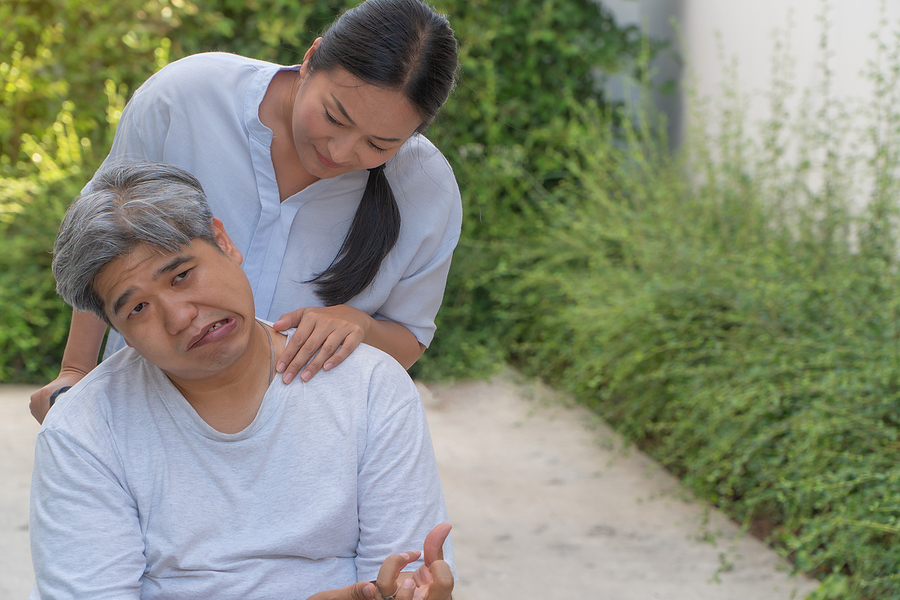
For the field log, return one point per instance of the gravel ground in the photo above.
(545, 500)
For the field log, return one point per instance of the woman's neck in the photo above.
(276, 112)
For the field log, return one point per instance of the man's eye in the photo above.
(138, 308)
(181, 275)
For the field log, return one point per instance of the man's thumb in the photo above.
(434, 543)
(364, 590)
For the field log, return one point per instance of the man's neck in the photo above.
(230, 401)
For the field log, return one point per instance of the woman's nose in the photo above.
(342, 149)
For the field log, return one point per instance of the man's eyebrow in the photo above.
(172, 265)
(346, 116)
(120, 302)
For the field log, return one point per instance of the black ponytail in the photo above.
(374, 231)
(399, 45)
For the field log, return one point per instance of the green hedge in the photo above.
(71, 65)
(739, 324)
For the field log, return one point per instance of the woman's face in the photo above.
(341, 124)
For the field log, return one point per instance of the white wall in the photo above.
(746, 29)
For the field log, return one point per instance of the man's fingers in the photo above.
(40, 404)
(364, 590)
(441, 586)
(390, 570)
(434, 582)
(434, 543)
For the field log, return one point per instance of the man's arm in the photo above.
(86, 541)
(398, 456)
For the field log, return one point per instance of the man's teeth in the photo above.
(214, 327)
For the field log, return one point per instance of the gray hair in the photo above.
(128, 204)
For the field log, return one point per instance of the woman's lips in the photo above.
(325, 161)
(213, 333)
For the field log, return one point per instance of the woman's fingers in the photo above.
(323, 340)
(299, 349)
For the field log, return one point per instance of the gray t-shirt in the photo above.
(201, 113)
(135, 496)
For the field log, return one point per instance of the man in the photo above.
(182, 467)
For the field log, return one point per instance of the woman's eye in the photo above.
(377, 148)
(331, 119)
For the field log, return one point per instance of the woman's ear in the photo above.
(312, 49)
(304, 67)
(224, 241)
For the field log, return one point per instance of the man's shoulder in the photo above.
(122, 375)
(375, 363)
(369, 376)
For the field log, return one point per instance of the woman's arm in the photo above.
(332, 333)
(79, 358)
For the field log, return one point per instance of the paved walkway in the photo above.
(545, 505)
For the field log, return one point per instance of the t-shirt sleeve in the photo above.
(86, 540)
(400, 498)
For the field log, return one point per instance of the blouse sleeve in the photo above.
(431, 213)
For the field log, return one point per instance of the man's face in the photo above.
(189, 312)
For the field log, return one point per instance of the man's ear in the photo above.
(304, 66)
(224, 242)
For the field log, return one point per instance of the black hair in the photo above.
(401, 45)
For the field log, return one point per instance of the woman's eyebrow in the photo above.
(349, 120)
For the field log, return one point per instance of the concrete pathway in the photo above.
(545, 505)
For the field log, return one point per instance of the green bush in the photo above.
(35, 320)
(740, 323)
(515, 97)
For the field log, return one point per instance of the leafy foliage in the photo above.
(72, 64)
(740, 324)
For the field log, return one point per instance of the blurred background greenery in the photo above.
(732, 312)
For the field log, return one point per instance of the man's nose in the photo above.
(178, 312)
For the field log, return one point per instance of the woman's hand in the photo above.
(80, 356)
(40, 400)
(330, 334)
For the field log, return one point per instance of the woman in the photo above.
(346, 217)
